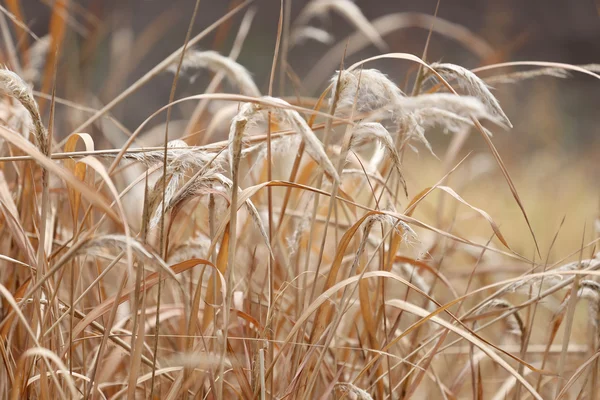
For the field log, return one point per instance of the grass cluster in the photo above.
(312, 244)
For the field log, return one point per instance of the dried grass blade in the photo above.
(78, 169)
(421, 373)
(90, 195)
(576, 375)
(469, 336)
(12, 220)
(149, 282)
(221, 267)
(484, 214)
(46, 354)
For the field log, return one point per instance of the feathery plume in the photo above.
(464, 106)
(179, 162)
(527, 282)
(375, 93)
(350, 391)
(12, 85)
(414, 124)
(474, 85)
(179, 156)
(371, 89)
(365, 132)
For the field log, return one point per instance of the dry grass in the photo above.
(288, 246)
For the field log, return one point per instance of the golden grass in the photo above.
(288, 246)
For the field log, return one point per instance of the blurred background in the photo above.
(552, 151)
(561, 31)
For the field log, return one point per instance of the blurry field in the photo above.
(168, 229)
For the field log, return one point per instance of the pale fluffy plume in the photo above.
(302, 226)
(413, 125)
(220, 119)
(465, 106)
(12, 85)
(350, 391)
(372, 90)
(178, 163)
(155, 195)
(219, 182)
(374, 93)
(179, 156)
(527, 282)
(365, 132)
(474, 85)
(281, 146)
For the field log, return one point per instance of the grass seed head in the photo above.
(474, 85)
(371, 89)
(12, 85)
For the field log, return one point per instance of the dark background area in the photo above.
(567, 31)
(561, 31)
